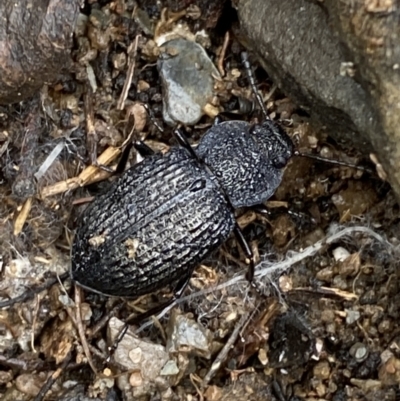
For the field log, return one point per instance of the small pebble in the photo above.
(340, 254)
(169, 369)
(352, 316)
(322, 370)
(135, 379)
(186, 74)
(186, 335)
(29, 383)
(359, 351)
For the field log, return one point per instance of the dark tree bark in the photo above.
(35, 42)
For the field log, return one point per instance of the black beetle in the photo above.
(163, 216)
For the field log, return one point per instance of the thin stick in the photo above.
(32, 292)
(327, 292)
(81, 331)
(132, 51)
(91, 135)
(104, 320)
(53, 378)
(35, 316)
(224, 352)
(22, 216)
(26, 365)
(221, 57)
(89, 175)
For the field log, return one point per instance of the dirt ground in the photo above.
(322, 325)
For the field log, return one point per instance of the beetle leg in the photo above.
(178, 291)
(140, 147)
(278, 390)
(264, 211)
(152, 118)
(248, 252)
(143, 149)
(124, 159)
(218, 120)
(183, 141)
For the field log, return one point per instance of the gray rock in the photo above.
(187, 336)
(170, 368)
(187, 79)
(144, 359)
(340, 61)
(352, 316)
(359, 352)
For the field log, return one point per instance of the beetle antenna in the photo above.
(152, 117)
(252, 82)
(332, 161)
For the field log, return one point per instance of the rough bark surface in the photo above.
(35, 38)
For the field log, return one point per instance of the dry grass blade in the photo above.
(22, 216)
(89, 175)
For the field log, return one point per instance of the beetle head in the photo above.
(274, 141)
(246, 159)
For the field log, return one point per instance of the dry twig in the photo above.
(132, 51)
(53, 378)
(32, 292)
(81, 330)
(221, 57)
(224, 352)
(89, 175)
(22, 216)
(89, 118)
(328, 292)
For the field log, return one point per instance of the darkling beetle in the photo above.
(163, 216)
